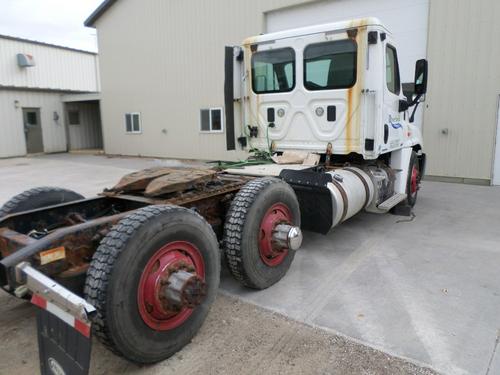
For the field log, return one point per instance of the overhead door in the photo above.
(84, 125)
(406, 19)
(464, 83)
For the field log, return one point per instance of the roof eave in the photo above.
(101, 9)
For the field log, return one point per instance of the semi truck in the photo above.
(139, 265)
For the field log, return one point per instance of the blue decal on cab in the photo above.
(394, 121)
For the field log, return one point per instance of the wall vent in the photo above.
(24, 60)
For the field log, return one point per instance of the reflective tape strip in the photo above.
(39, 301)
(82, 327)
(66, 317)
(61, 314)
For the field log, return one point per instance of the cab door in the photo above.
(273, 83)
(394, 125)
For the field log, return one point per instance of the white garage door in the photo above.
(406, 19)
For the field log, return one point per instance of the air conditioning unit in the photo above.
(24, 60)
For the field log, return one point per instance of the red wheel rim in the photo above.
(414, 180)
(279, 213)
(178, 255)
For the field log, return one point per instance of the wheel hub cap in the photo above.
(171, 286)
(275, 230)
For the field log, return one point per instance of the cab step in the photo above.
(392, 202)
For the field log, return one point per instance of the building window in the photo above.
(133, 123)
(74, 117)
(31, 118)
(392, 70)
(211, 120)
(330, 65)
(273, 71)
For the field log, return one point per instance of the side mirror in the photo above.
(421, 72)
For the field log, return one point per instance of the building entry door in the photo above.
(33, 130)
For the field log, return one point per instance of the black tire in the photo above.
(115, 271)
(38, 198)
(242, 227)
(411, 199)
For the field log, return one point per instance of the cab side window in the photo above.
(392, 70)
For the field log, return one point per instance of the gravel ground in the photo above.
(237, 338)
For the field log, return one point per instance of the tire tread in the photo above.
(103, 261)
(10, 207)
(233, 228)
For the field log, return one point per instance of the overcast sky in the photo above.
(51, 21)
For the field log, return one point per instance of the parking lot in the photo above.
(426, 289)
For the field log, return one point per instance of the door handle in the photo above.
(445, 131)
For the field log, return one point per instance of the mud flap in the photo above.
(63, 350)
(402, 210)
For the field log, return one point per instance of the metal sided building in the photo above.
(49, 99)
(162, 68)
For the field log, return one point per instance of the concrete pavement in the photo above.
(426, 289)
(85, 174)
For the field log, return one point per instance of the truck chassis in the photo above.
(80, 226)
(70, 254)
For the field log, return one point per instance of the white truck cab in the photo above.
(334, 86)
(333, 90)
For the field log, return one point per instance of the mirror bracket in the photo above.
(403, 105)
(415, 103)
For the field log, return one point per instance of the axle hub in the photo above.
(287, 237)
(171, 286)
(184, 289)
(277, 235)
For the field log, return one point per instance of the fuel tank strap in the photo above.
(365, 184)
(343, 193)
